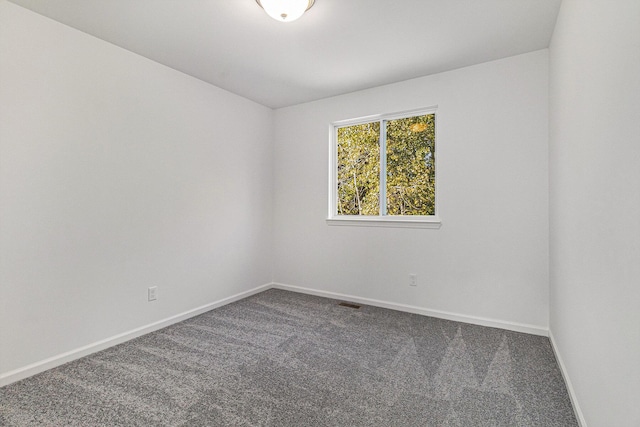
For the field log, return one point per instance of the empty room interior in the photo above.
(186, 239)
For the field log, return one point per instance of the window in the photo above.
(383, 170)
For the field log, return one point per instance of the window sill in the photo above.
(392, 222)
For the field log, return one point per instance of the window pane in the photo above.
(359, 169)
(411, 166)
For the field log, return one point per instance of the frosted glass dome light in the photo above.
(285, 10)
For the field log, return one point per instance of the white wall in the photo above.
(490, 257)
(595, 206)
(117, 173)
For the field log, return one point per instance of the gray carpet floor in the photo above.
(286, 359)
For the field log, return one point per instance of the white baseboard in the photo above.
(52, 362)
(501, 324)
(572, 395)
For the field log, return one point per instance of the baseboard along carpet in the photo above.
(281, 358)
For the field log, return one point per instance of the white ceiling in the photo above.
(338, 46)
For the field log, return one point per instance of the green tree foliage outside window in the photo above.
(359, 169)
(411, 172)
(410, 167)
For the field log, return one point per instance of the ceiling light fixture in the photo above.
(285, 10)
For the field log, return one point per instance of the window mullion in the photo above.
(383, 167)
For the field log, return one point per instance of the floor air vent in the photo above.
(346, 304)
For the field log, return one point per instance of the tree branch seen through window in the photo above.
(387, 160)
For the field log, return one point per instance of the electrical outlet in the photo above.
(413, 280)
(152, 293)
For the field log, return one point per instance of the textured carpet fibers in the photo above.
(285, 359)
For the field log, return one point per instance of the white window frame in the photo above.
(383, 220)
